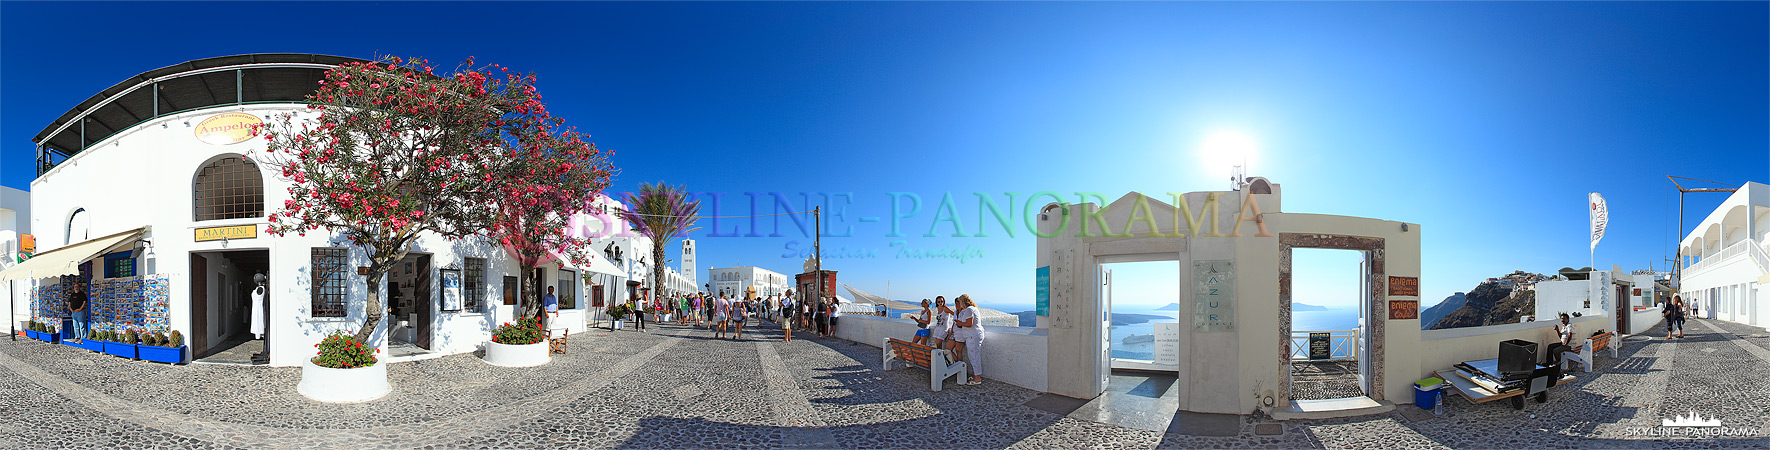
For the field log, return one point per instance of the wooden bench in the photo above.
(926, 357)
(1584, 356)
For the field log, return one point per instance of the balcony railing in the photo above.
(1738, 249)
(1342, 345)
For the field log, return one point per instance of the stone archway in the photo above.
(1377, 308)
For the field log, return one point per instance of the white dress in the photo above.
(258, 312)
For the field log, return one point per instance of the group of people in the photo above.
(957, 331)
(725, 314)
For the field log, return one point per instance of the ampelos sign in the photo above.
(229, 128)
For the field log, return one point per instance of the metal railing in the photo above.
(1342, 345)
(1758, 255)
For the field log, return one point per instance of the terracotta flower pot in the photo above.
(360, 384)
(524, 355)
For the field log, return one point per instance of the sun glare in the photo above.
(1224, 150)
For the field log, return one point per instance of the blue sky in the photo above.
(1487, 123)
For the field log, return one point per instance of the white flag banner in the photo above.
(1600, 218)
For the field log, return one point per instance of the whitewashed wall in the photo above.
(1013, 355)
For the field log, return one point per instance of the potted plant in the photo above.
(122, 344)
(160, 347)
(345, 371)
(94, 341)
(522, 344)
(48, 333)
(619, 313)
(31, 329)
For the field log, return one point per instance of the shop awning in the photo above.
(67, 260)
(601, 265)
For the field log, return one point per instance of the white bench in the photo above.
(926, 357)
(1584, 356)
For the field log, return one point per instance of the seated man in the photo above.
(1565, 352)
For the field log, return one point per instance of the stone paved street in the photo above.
(675, 387)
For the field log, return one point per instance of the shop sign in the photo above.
(1404, 286)
(1043, 290)
(233, 232)
(27, 246)
(1404, 309)
(1213, 295)
(229, 128)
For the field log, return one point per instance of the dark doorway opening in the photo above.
(411, 308)
(221, 305)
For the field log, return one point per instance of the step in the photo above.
(1328, 409)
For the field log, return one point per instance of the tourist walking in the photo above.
(740, 313)
(786, 320)
(923, 322)
(823, 318)
(835, 313)
(969, 332)
(1674, 315)
(682, 310)
(721, 315)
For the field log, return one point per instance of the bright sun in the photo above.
(1224, 150)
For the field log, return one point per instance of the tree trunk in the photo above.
(657, 270)
(373, 309)
(530, 308)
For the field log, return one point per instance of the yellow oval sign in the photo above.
(229, 128)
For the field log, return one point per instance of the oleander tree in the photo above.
(554, 178)
(663, 213)
(389, 150)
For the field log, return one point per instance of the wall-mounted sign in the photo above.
(1404, 309)
(233, 232)
(1404, 286)
(1043, 290)
(27, 246)
(229, 128)
(1213, 295)
(1167, 343)
(451, 287)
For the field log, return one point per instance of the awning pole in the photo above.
(11, 313)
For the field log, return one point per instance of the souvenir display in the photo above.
(141, 303)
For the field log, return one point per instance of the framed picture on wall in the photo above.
(451, 289)
(408, 268)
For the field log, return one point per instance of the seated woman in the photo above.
(923, 334)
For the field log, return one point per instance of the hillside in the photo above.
(1432, 315)
(1490, 304)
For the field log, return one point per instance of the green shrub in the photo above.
(338, 351)
(177, 339)
(129, 337)
(527, 330)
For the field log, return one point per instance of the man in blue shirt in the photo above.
(550, 308)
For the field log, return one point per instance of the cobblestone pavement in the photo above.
(675, 387)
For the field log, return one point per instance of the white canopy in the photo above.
(67, 260)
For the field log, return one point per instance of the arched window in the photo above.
(228, 188)
(79, 227)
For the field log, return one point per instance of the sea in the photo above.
(1334, 318)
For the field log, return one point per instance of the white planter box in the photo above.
(526, 355)
(619, 323)
(330, 385)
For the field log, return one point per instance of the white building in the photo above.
(1724, 262)
(734, 281)
(15, 241)
(154, 179)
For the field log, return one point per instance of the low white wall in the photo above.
(1013, 355)
(1642, 322)
(1440, 349)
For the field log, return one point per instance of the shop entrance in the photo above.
(1329, 324)
(221, 305)
(1357, 345)
(411, 308)
(1139, 342)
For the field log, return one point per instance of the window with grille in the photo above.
(568, 290)
(330, 271)
(229, 188)
(476, 281)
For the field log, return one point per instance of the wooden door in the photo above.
(509, 290)
(422, 302)
(1624, 309)
(199, 338)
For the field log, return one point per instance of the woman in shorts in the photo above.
(740, 312)
(923, 322)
